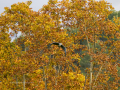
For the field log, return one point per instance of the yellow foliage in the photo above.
(48, 66)
(38, 71)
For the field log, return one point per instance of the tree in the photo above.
(44, 27)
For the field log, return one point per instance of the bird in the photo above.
(59, 44)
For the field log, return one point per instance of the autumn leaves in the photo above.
(81, 21)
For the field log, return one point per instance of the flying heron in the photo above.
(60, 45)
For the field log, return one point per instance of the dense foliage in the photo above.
(81, 26)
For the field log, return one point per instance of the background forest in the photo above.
(90, 31)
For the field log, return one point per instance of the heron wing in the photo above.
(55, 43)
(64, 48)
